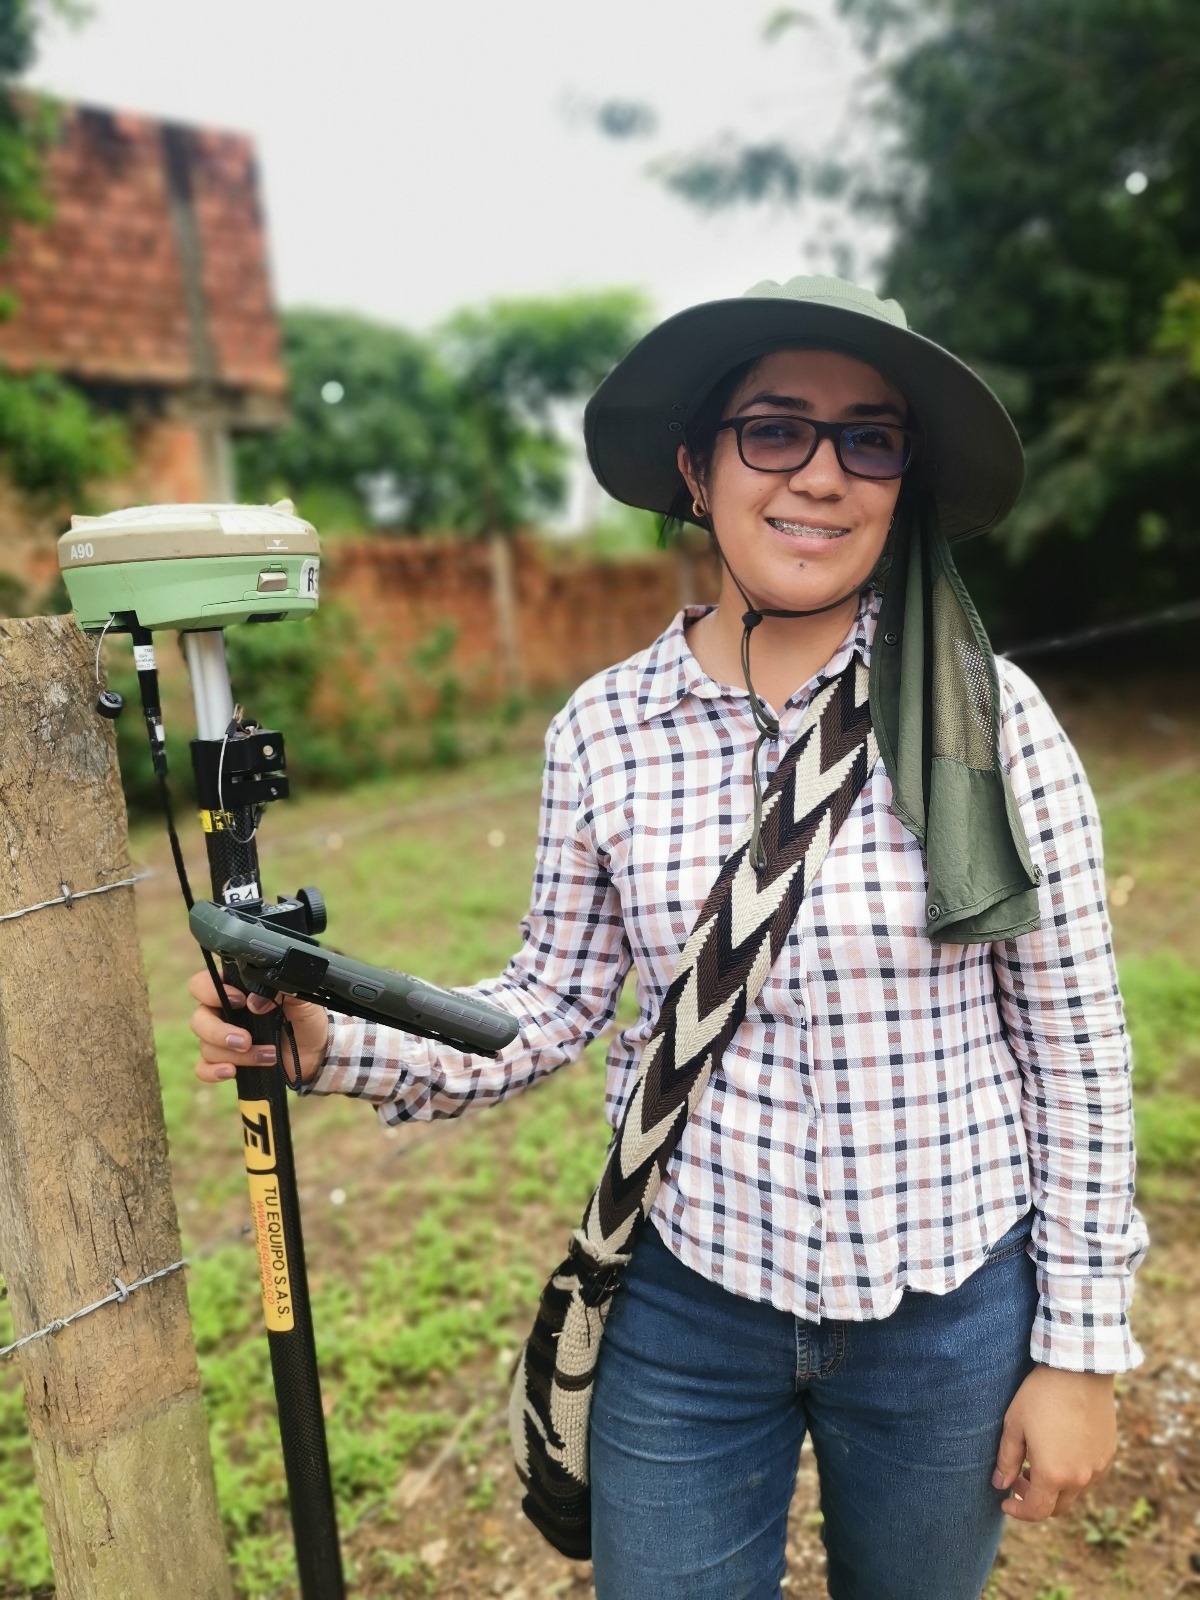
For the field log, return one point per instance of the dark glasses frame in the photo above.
(826, 430)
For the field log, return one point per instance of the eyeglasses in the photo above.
(785, 444)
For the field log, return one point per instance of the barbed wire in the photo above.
(306, 1193)
(121, 1293)
(68, 895)
(1186, 611)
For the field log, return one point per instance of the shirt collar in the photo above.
(672, 671)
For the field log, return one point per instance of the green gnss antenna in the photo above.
(197, 569)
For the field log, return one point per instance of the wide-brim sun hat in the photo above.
(970, 453)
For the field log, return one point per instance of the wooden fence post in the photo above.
(119, 1435)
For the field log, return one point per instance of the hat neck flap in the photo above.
(935, 705)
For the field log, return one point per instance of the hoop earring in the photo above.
(697, 509)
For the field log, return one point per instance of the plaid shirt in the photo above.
(889, 1107)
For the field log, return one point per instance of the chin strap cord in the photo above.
(767, 725)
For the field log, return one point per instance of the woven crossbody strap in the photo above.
(737, 937)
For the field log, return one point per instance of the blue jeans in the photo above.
(702, 1400)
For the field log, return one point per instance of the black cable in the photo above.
(285, 1030)
(148, 684)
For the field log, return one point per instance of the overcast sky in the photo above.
(419, 157)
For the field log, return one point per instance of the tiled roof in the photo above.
(153, 269)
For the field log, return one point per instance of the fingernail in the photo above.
(236, 998)
(225, 1072)
(997, 1479)
(237, 1041)
(258, 1002)
(265, 1056)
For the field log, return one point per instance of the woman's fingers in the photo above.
(223, 1049)
(1030, 1501)
(252, 1055)
(224, 1046)
(212, 1030)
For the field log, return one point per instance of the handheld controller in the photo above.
(272, 962)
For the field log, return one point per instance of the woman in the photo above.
(900, 1216)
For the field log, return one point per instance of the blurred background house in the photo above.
(147, 289)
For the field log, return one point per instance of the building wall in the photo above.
(575, 615)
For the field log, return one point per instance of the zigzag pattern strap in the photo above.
(725, 962)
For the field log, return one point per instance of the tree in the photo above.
(458, 430)
(371, 436)
(510, 364)
(451, 430)
(1038, 163)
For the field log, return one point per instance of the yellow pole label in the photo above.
(258, 1138)
(272, 1252)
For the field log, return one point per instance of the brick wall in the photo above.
(575, 615)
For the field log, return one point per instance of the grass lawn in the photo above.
(427, 1245)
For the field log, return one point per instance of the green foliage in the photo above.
(23, 1547)
(511, 363)
(14, 595)
(1162, 1002)
(618, 532)
(26, 122)
(394, 420)
(1180, 326)
(51, 441)
(455, 430)
(303, 678)
(1108, 1530)
(1035, 161)
(432, 661)
(733, 173)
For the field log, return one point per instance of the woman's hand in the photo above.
(224, 1048)
(1061, 1428)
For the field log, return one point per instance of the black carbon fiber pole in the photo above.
(270, 1170)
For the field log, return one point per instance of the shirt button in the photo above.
(933, 912)
(891, 638)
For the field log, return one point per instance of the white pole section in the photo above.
(211, 691)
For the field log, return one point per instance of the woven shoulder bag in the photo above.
(739, 933)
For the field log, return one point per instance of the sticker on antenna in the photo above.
(255, 519)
